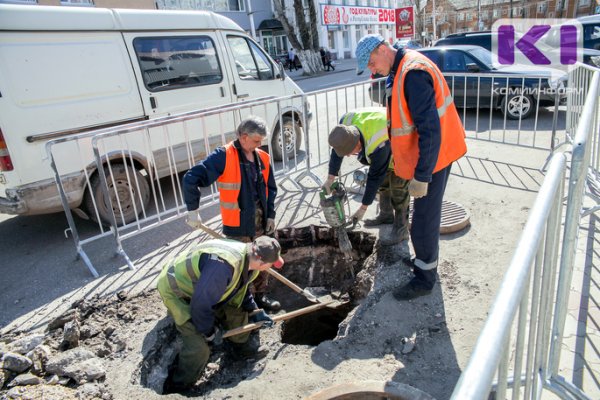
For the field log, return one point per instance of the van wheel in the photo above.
(291, 139)
(121, 188)
(517, 106)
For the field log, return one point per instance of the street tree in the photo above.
(302, 33)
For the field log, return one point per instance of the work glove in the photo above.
(270, 228)
(417, 189)
(216, 338)
(262, 316)
(359, 214)
(327, 185)
(193, 219)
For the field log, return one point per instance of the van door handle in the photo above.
(243, 96)
(152, 102)
(222, 91)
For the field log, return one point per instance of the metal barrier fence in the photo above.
(531, 288)
(126, 177)
(518, 110)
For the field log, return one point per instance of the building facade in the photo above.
(455, 16)
(341, 23)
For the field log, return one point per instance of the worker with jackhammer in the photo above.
(247, 192)
(363, 132)
(205, 291)
(426, 136)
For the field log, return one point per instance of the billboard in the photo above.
(405, 26)
(332, 14)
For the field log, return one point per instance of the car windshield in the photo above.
(483, 55)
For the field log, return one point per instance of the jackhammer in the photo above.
(333, 209)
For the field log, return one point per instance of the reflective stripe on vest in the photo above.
(372, 123)
(229, 183)
(403, 134)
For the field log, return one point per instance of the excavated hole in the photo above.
(313, 260)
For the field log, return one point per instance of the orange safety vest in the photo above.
(230, 183)
(404, 136)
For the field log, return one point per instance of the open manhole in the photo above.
(313, 260)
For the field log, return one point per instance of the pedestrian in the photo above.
(247, 192)
(326, 59)
(292, 59)
(363, 132)
(205, 291)
(426, 136)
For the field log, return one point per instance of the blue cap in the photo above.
(364, 48)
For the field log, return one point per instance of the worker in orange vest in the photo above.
(247, 192)
(427, 136)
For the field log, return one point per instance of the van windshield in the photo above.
(176, 62)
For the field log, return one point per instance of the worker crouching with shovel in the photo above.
(205, 291)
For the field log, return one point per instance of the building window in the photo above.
(212, 5)
(584, 3)
(541, 8)
(331, 39)
(346, 36)
(461, 17)
(76, 2)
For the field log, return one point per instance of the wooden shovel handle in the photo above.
(212, 233)
(285, 280)
(277, 318)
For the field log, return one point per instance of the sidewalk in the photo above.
(342, 65)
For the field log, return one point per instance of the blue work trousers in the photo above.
(425, 229)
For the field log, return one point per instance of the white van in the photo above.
(66, 70)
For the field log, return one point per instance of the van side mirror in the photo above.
(472, 67)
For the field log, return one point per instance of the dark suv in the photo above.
(591, 39)
(515, 90)
(481, 38)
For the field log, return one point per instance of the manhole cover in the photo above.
(371, 390)
(454, 217)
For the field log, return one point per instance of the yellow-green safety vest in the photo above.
(372, 123)
(176, 280)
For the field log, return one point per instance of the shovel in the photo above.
(304, 292)
(277, 318)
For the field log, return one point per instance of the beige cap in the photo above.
(268, 250)
(343, 139)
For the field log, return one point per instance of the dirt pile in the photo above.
(121, 347)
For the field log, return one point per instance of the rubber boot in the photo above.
(386, 212)
(420, 285)
(399, 231)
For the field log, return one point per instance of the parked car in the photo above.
(513, 89)
(591, 39)
(407, 43)
(480, 38)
